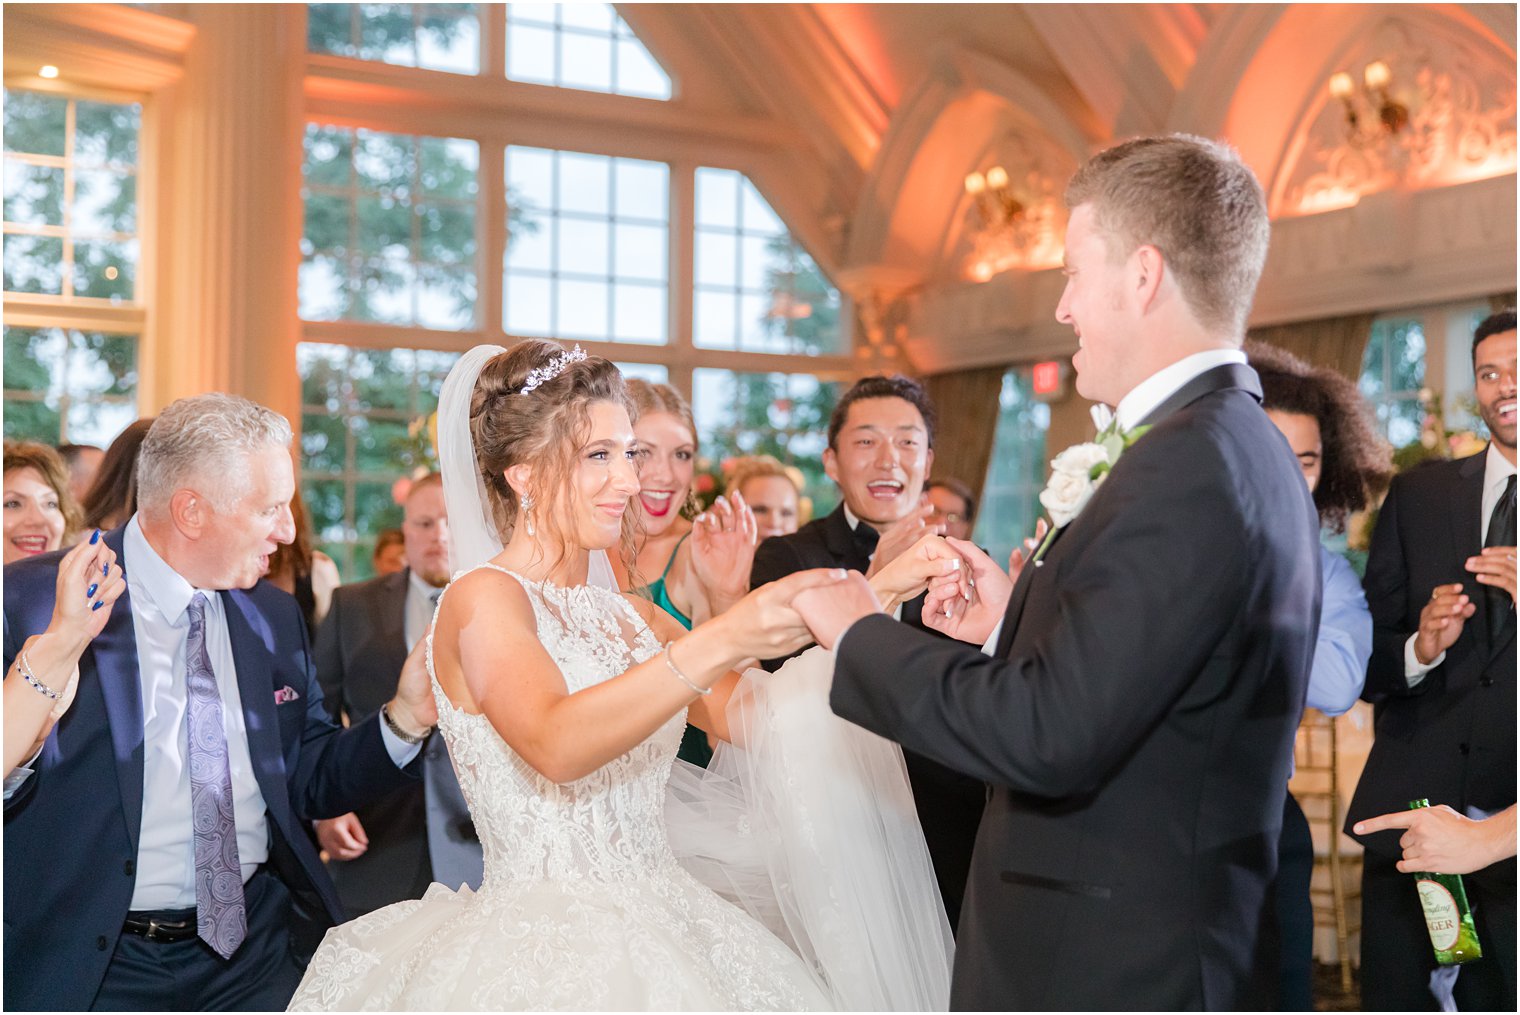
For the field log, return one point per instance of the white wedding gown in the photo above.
(583, 905)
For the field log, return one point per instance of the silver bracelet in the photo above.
(401, 734)
(25, 667)
(683, 678)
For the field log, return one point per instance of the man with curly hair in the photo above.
(1346, 464)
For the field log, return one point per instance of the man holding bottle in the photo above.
(1441, 586)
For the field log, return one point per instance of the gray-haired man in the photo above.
(156, 856)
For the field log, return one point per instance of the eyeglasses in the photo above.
(949, 516)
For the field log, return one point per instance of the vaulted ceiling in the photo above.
(895, 103)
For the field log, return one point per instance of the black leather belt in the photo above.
(164, 925)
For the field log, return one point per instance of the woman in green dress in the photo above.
(693, 566)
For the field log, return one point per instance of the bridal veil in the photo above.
(805, 821)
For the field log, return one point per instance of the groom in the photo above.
(1135, 701)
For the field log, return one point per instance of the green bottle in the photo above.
(1448, 918)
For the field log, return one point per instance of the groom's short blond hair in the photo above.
(1196, 202)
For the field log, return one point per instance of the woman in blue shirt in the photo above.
(1346, 463)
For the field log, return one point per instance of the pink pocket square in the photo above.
(285, 694)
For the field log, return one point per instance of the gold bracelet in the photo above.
(683, 678)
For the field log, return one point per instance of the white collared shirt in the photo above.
(1143, 398)
(1161, 385)
(160, 599)
(1496, 472)
(419, 608)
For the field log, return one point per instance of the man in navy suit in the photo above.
(156, 856)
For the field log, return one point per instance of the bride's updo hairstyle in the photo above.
(544, 428)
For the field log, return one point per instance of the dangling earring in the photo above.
(527, 506)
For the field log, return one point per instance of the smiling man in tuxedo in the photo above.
(1441, 587)
(880, 450)
(1135, 701)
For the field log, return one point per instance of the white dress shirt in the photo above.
(1496, 472)
(1166, 382)
(1145, 397)
(160, 599)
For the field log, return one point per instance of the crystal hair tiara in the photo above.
(557, 365)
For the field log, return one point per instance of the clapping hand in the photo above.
(1441, 621)
(1495, 566)
(902, 534)
(723, 542)
(972, 619)
(89, 582)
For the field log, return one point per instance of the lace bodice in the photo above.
(606, 826)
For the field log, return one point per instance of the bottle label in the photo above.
(1441, 916)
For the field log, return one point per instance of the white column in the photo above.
(229, 210)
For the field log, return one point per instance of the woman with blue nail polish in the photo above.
(40, 683)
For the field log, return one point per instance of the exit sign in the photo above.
(1048, 378)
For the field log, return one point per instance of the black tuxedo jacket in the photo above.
(1451, 737)
(1136, 724)
(72, 828)
(360, 649)
(949, 804)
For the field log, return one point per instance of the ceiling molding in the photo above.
(1132, 60)
(101, 45)
(791, 60)
(353, 90)
(907, 208)
(1391, 249)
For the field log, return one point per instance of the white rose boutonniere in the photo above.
(1077, 472)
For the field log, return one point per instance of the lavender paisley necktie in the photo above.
(220, 914)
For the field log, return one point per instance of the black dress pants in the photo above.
(262, 974)
(1295, 911)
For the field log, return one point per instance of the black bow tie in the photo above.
(865, 538)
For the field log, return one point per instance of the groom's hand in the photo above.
(947, 610)
(931, 560)
(830, 611)
(900, 536)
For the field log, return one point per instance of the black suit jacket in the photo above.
(1451, 737)
(949, 804)
(72, 829)
(360, 649)
(1136, 724)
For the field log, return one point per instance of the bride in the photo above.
(790, 876)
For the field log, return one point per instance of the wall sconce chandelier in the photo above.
(1375, 114)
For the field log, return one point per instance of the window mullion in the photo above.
(491, 244)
